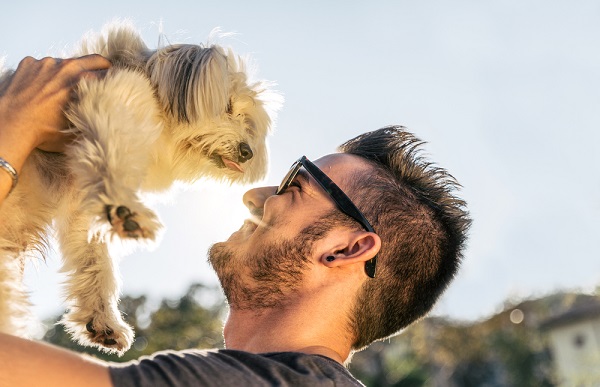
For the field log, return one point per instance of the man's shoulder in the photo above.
(232, 367)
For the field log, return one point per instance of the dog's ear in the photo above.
(192, 81)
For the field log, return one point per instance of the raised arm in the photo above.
(30, 363)
(31, 108)
(31, 116)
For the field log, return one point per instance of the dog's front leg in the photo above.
(14, 305)
(92, 288)
(116, 121)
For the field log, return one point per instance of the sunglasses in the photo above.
(339, 197)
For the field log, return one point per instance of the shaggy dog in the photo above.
(177, 113)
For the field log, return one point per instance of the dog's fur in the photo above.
(178, 113)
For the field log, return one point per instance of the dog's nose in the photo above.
(245, 152)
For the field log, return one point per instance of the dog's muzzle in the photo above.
(244, 154)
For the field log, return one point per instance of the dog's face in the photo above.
(216, 118)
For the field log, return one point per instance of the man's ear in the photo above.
(359, 247)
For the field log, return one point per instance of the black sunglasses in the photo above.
(339, 197)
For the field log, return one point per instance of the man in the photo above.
(347, 250)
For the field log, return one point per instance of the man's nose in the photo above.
(255, 199)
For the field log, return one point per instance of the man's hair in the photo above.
(422, 225)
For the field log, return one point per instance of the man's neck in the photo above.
(285, 330)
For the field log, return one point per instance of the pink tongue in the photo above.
(232, 165)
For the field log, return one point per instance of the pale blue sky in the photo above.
(506, 93)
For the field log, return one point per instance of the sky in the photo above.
(505, 93)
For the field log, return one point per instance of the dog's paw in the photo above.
(116, 338)
(128, 223)
(108, 333)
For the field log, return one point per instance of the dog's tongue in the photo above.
(232, 165)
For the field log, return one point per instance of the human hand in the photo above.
(32, 105)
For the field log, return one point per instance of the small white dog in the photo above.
(178, 113)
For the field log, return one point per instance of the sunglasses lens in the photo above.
(287, 180)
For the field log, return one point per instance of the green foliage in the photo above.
(193, 321)
(500, 351)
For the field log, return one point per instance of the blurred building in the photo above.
(574, 338)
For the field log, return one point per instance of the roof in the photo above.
(576, 314)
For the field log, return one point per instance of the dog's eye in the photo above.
(229, 108)
(250, 127)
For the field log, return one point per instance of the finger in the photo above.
(26, 62)
(93, 62)
(85, 75)
(70, 71)
(99, 74)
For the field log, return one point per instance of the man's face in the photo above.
(265, 261)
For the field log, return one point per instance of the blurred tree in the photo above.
(501, 351)
(193, 321)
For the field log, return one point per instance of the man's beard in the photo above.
(265, 278)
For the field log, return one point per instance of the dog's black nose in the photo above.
(245, 152)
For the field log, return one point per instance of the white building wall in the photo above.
(576, 351)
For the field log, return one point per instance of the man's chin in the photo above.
(219, 256)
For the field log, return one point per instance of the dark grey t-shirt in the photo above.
(225, 367)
